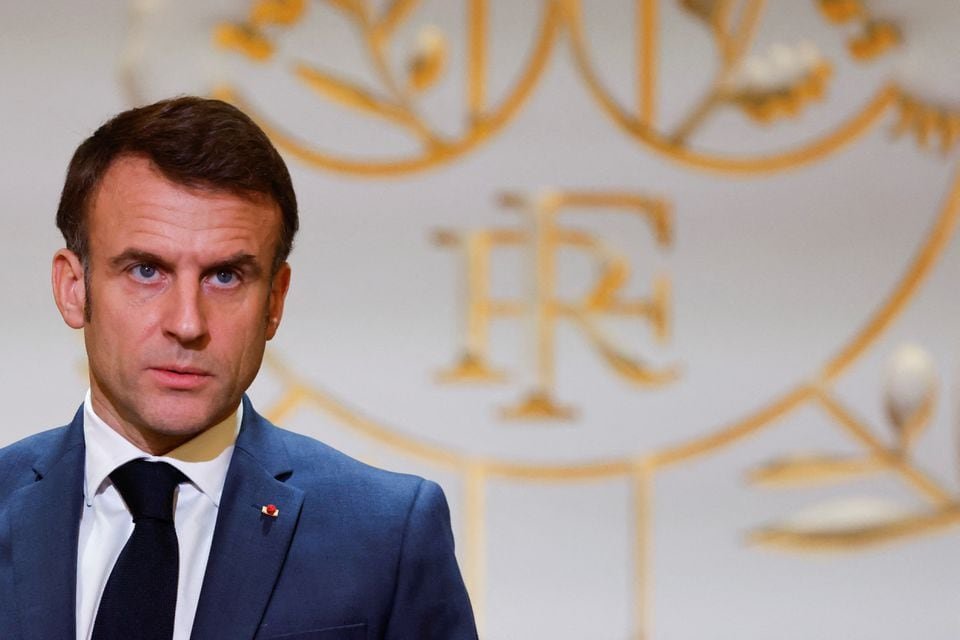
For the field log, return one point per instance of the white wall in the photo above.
(773, 273)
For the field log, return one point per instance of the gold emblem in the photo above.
(544, 237)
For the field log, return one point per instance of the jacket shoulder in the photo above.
(317, 461)
(17, 460)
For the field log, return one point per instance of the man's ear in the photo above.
(278, 293)
(69, 287)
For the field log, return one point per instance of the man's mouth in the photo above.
(177, 377)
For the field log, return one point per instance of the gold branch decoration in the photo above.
(428, 61)
(876, 38)
(910, 394)
(245, 39)
(854, 524)
(910, 390)
(766, 88)
(871, 37)
(394, 16)
(393, 99)
(283, 12)
(780, 83)
(731, 39)
(345, 93)
(718, 15)
(927, 123)
(812, 469)
(840, 11)
(249, 37)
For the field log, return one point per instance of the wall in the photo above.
(737, 475)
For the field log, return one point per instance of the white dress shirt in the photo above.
(106, 523)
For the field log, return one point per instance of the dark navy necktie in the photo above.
(140, 598)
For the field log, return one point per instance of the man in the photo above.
(178, 218)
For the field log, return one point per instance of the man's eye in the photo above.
(145, 271)
(225, 277)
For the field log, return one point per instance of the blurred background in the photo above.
(663, 292)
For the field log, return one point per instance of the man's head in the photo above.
(178, 218)
(194, 142)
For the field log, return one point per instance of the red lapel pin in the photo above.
(270, 510)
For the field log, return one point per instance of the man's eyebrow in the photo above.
(239, 261)
(131, 255)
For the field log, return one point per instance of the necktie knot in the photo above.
(147, 488)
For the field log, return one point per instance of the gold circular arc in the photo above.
(481, 128)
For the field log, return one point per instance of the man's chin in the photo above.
(182, 421)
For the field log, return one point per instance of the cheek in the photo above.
(239, 337)
(134, 326)
(122, 330)
(113, 301)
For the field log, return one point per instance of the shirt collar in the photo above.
(204, 459)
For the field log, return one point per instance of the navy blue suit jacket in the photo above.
(356, 553)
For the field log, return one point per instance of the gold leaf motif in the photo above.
(874, 36)
(839, 11)
(927, 123)
(910, 381)
(813, 469)
(284, 12)
(345, 93)
(877, 37)
(786, 101)
(396, 13)
(429, 59)
(854, 524)
(244, 38)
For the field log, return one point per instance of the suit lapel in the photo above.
(248, 547)
(44, 524)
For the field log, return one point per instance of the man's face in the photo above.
(183, 302)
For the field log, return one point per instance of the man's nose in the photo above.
(186, 319)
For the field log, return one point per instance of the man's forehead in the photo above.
(131, 172)
(138, 209)
(135, 191)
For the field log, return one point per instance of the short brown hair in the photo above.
(194, 142)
